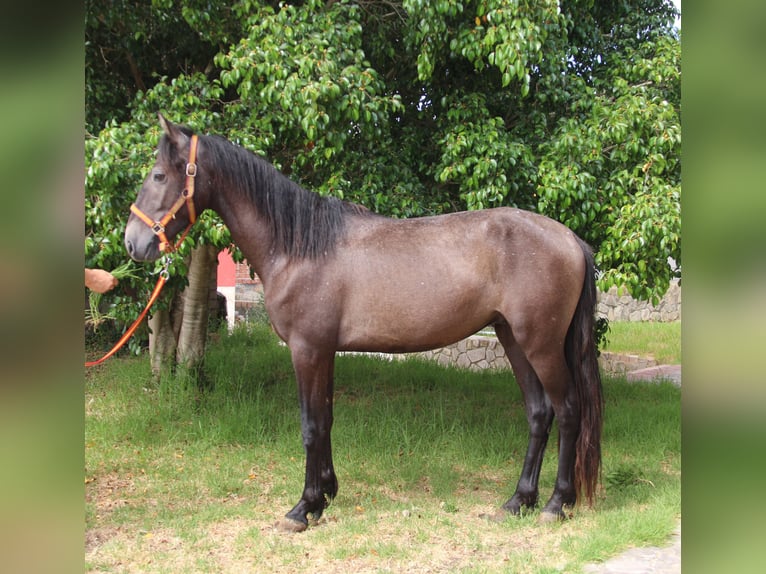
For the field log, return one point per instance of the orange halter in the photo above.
(186, 197)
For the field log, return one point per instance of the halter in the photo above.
(186, 197)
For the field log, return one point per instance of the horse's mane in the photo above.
(303, 223)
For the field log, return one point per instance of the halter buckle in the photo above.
(158, 228)
(191, 170)
(165, 272)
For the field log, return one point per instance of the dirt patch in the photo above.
(97, 537)
(109, 491)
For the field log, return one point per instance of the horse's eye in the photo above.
(159, 177)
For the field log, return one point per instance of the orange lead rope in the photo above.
(129, 333)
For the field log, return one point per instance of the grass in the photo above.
(183, 481)
(661, 340)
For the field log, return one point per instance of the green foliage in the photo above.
(613, 172)
(479, 156)
(506, 35)
(601, 333)
(130, 45)
(308, 96)
(408, 107)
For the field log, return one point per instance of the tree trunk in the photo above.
(177, 335)
(162, 343)
(164, 326)
(195, 299)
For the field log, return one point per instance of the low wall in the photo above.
(616, 305)
(481, 352)
(475, 353)
(619, 364)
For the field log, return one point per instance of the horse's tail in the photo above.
(581, 357)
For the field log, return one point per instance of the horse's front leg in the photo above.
(314, 374)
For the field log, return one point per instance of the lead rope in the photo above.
(132, 329)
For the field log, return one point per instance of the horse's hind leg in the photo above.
(539, 416)
(558, 385)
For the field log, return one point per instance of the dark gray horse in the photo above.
(337, 277)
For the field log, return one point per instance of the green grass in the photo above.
(178, 480)
(661, 340)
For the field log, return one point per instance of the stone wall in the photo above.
(617, 305)
(475, 353)
(620, 364)
(480, 352)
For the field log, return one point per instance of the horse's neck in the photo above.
(249, 229)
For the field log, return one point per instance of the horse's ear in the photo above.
(173, 132)
(164, 123)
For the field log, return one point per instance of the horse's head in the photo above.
(164, 205)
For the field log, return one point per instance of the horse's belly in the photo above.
(413, 323)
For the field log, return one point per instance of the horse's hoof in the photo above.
(291, 525)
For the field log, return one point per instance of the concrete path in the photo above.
(654, 559)
(651, 560)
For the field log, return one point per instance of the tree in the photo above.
(132, 45)
(410, 108)
(612, 169)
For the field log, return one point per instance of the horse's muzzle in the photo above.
(140, 242)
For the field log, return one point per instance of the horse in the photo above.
(339, 277)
